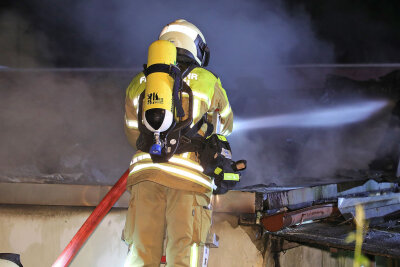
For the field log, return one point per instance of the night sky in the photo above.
(362, 31)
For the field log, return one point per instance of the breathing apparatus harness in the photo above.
(163, 136)
(179, 137)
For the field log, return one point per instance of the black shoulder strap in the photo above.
(188, 70)
(191, 132)
(191, 141)
(178, 102)
(157, 68)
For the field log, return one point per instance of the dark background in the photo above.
(61, 125)
(362, 31)
(91, 33)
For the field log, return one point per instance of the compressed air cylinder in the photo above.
(158, 108)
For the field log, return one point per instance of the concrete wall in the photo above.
(40, 233)
(237, 244)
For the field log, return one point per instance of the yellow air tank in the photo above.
(158, 107)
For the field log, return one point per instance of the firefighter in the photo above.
(173, 198)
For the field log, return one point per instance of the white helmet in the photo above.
(188, 39)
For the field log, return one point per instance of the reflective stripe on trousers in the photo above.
(194, 255)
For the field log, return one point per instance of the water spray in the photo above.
(324, 117)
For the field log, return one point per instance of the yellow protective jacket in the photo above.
(183, 171)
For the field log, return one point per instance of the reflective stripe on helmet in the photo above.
(180, 28)
(188, 39)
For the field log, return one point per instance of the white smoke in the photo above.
(248, 39)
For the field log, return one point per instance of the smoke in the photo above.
(292, 156)
(244, 36)
(62, 127)
(248, 40)
(21, 45)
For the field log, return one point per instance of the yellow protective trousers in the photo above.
(154, 210)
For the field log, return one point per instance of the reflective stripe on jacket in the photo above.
(180, 172)
(179, 166)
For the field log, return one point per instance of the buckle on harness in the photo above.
(185, 139)
(171, 73)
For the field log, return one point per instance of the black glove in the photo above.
(216, 160)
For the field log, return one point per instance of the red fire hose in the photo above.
(91, 223)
